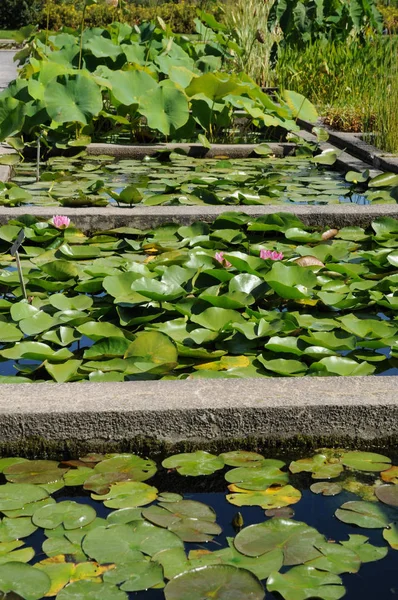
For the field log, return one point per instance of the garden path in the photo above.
(8, 68)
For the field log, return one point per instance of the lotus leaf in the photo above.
(256, 478)
(305, 582)
(390, 534)
(366, 552)
(34, 471)
(220, 582)
(194, 464)
(90, 590)
(296, 541)
(363, 514)
(78, 99)
(129, 494)
(365, 461)
(24, 580)
(71, 514)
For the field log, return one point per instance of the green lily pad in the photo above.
(387, 494)
(137, 468)
(129, 494)
(366, 552)
(26, 581)
(136, 575)
(243, 458)
(124, 515)
(296, 541)
(326, 488)
(14, 529)
(318, 465)
(219, 582)
(194, 463)
(363, 514)
(256, 478)
(34, 471)
(192, 521)
(390, 534)
(17, 495)
(365, 461)
(71, 514)
(336, 559)
(154, 347)
(90, 590)
(303, 582)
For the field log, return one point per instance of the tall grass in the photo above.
(248, 21)
(355, 85)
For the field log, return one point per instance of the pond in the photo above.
(179, 180)
(239, 297)
(197, 525)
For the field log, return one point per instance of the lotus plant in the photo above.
(60, 221)
(271, 254)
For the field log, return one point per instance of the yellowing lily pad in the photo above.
(272, 497)
(390, 475)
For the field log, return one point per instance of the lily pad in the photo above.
(14, 529)
(366, 552)
(90, 590)
(326, 488)
(387, 494)
(219, 582)
(129, 494)
(272, 497)
(256, 478)
(296, 541)
(365, 461)
(71, 514)
(194, 463)
(136, 575)
(17, 495)
(363, 514)
(303, 582)
(318, 465)
(243, 458)
(390, 475)
(336, 559)
(26, 581)
(390, 534)
(34, 471)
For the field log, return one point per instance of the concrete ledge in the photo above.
(139, 151)
(358, 408)
(95, 219)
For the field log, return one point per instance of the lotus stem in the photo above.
(81, 35)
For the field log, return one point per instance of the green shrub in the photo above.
(390, 18)
(18, 13)
(179, 16)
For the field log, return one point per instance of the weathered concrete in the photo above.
(95, 219)
(196, 150)
(8, 69)
(357, 408)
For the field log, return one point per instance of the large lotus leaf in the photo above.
(14, 529)
(390, 534)
(363, 514)
(256, 478)
(71, 514)
(390, 475)
(194, 463)
(215, 86)
(102, 47)
(91, 590)
(387, 494)
(272, 497)
(128, 87)
(336, 559)
(365, 461)
(219, 582)
(12, 116)
(152, 346)
(261, 566)
(318, 465)
(297, 541)
(17, 495)
(366, 552)
(34, 471)
(243, 458)
(305, 582)
(166, 107)
(136, 575)
(78, 99)
(26, 581)
(301, 107)
(129, 494)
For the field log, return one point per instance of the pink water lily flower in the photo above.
(271, 254)
(219, 256)
(60, 221)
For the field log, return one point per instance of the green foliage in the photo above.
(18, 13)
(306, 21)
